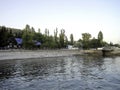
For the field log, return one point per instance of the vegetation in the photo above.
(71, 39)
(37, 40)
(86, 40)
(100, 39)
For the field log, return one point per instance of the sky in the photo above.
(75, 16)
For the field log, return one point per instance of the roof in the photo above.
(19, 40)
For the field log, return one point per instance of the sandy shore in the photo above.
(26, 54)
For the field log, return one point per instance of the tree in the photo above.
(3, 36)
(100, 39)
(55, 34)
(39, 30)
(62, 38)
(80, 44)
(86, 36)
(94, 43)
(66, 41)
(46, 32)
(56, 38)
(32, 30)
(100, 36)
(111, 44)
(71, 39)
(86, 40)
(27, 37)
(33, 33)
(51, 44)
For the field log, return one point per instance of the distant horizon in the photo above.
(75, 16)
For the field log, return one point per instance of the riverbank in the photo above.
(26, 54)
(115, 52)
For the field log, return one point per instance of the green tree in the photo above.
(3, 36)
(56, 38)
(46, 32)
(55, 35)
(71, 39)
(111, 44)
(86, 40)
(32, 34)
(100, 36)
(51, 43)
(66, 41)
(86, 36)
(39, 31)
(8, 35)
(100, 39)
(46, 39)
(62, 38)
(94, 43)
(80, 44)
(32, 30)
(27, 37)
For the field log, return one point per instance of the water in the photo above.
(61, 73)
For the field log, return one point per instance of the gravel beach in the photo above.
(26, 54)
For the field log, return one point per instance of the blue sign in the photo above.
(19, 40)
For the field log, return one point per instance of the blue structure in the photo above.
(19, 41)
(37, 43)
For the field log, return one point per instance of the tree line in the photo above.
(29, 37)
(32, 39)
(86, 42)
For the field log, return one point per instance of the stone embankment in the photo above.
(26, 54)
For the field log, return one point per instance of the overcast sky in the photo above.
(75, 16)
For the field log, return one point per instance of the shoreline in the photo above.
(15, 54)
(28, 54)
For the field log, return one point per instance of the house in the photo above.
(19, 42)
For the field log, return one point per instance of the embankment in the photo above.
(26, 54)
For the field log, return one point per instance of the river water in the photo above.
(61, 73)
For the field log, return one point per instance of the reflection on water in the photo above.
(61, 73)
